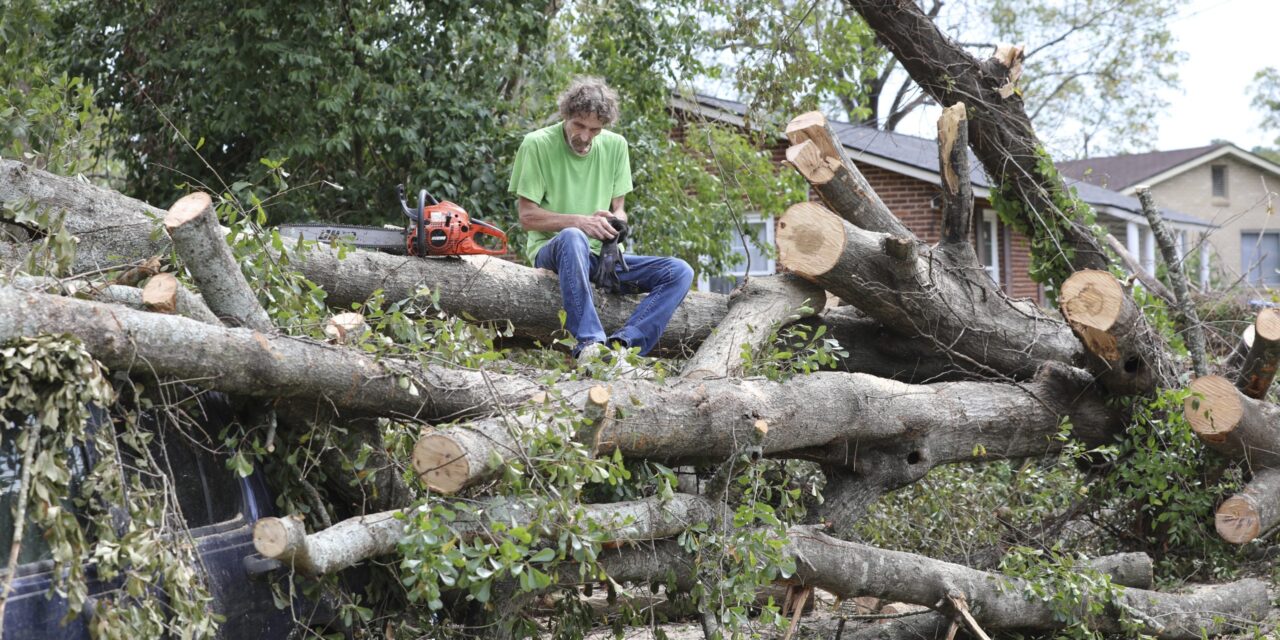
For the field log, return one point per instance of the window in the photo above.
(988, 245)
(1260, 257)
(34, 547)
(1219, 173)
(752, 259)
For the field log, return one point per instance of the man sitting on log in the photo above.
(570, 180)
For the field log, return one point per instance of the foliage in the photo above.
(789, 56)
(51, 385)
(1266, 99)
(47, 118)
(1163, 485)
(1074, 591)
(1046, 230)
(792, 349)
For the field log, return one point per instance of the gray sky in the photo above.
(1226, 42)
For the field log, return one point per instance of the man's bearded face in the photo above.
(580, 130)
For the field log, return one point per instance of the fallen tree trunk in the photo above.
(475, 287)
(357, 539)
(848, 569)
(696, 420)
(112, 229)
(923, 294)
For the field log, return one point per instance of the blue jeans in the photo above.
(666, 280)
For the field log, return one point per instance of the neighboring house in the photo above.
(1232, 189)
(903, 170)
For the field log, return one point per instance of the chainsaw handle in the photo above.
(484, 228)
(404, 206)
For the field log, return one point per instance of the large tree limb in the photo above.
(756, 308)
(696, 419)
(357, 539)
(943, 297)
(999, 131)
(1259, 367)
(1252, 512)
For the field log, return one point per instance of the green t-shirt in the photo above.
(551, 175)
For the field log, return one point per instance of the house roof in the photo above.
(918, 157)
(1124, 173)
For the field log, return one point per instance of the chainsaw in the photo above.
(435, 229)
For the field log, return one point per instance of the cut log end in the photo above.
(810, 239)
(1238, 520)
(344, 327)
(161, 294)
(1267, 325)
(187, 209)
(441, 463)
(276, 537)
(1213, 408)
(1092, 298)
(816, 168)
(598, 396)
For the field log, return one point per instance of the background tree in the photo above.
(1266, 98)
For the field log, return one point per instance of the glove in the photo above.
(605, 273)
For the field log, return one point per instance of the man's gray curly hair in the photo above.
(589, 95)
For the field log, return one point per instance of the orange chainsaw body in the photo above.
(450, 231)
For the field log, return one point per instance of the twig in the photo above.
(19, 525)
(1131, 263)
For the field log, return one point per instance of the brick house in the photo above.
(1233, 190)
(903, 170)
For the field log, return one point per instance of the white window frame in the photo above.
(770, 264)
(992, 222)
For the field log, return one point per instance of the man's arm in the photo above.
(535, 218)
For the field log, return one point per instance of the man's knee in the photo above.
(573, 239)
(681, 273)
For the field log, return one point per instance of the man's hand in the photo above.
(597, 226)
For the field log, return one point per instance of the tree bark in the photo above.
(757, 307)
(112, 229)
(1259, 368)
(1000, 131)
(1234, 424)
(941, 297)
(202, 244)
(1127, 357)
